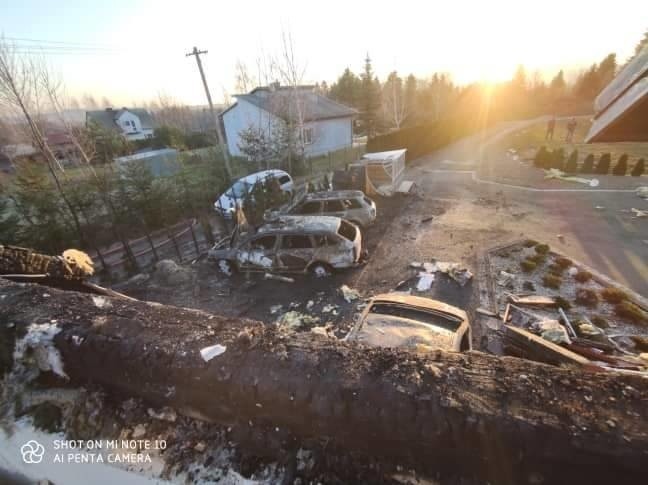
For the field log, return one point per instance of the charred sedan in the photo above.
(412, 323)
(316, 244)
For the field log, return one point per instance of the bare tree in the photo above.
(21, 95)
(244, 82)
(89, 102)
(394, 105)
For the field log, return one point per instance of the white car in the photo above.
(233, 197)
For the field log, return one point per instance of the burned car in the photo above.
(412, 323)
(352, 205)
(316, 244)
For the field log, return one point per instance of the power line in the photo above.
(59, 42)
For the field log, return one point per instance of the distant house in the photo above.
(327, 125)
(132, 124)
(61, 144)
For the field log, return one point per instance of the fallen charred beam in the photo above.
(505, 420)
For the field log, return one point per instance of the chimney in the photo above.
(274, 86)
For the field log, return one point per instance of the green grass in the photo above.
(527, 140)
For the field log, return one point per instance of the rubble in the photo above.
(642, 192)
(294, 320)
(554, 173)
(349, 294)
(168, 272)
(425, 281)
(285, 279)
(639, 213)
(311, 387)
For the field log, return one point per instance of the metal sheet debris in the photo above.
(285, 279)
(425, 281)
(208, 353)
(554, 173)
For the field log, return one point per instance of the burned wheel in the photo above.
(225, 267)
(321, 270)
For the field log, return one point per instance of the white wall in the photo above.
(137, 133)
(330, 135)
(240, 118)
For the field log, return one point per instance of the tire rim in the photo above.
(225, 267)
(320, 271)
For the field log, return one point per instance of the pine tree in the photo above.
(370, 101)
(603, 166)
(622, 165)
(572, 162)
(558, 159)
(638, 169)
(588, 164)
(541, 157)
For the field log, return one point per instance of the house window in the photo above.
(308, 136)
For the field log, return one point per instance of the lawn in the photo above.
(529, 139)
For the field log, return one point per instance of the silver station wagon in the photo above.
(352, 205)
(316, 244)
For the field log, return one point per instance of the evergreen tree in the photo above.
(603, 166)
(410, 97)
(558, 159)
(370, 101)
(572, 162)
(638, 169)
(588, 164)
(541, 157)
(641, 44)
(347, 89)
(622, 165)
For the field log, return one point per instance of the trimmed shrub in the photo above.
(528, 286)
(586, 297)
(541, 157)
(600, 321)
(527, 265)
(583, 276)
(562, 303)
(538, 258)
(613, 295)
(603, 166)
(556, 269)
(551, 280)
(572, 162)
(632, 312)
(588, 164)
(529, 243)
(558, 159)
(638, 169)
(622, 165)
(563, 262)
(542, 248)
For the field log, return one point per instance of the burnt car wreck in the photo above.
(316, 244)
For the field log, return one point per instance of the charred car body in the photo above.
(352, 205)
(412, 323)
(317, 244)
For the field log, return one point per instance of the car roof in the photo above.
(421, 302)
(305, 224)
(262, 175)
(334, 194)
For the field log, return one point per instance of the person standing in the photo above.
(571, 128)
(550, 128)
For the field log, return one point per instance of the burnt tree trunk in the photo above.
(505, 420)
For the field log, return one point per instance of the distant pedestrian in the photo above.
(550, 129)
(571, 128)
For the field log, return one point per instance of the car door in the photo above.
(295, 252)
(309, 208)
(258, 254)
(334, 207)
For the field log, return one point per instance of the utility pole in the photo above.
(221, 140)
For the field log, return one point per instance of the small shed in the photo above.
(162, 163)
(383, 171)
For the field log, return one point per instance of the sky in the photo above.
(134, 50)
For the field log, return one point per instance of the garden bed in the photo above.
(531, 268)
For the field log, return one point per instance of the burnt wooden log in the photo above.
(503, 420)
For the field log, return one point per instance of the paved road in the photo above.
(610, 240)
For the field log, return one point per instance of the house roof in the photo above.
(106, 118)
(622, 106)
(277, 100)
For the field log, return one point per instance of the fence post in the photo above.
(175, 245)
(155, 254)
(193, 236)
(330, 162)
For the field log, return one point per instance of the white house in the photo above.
(132, 124)
(327, 125)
